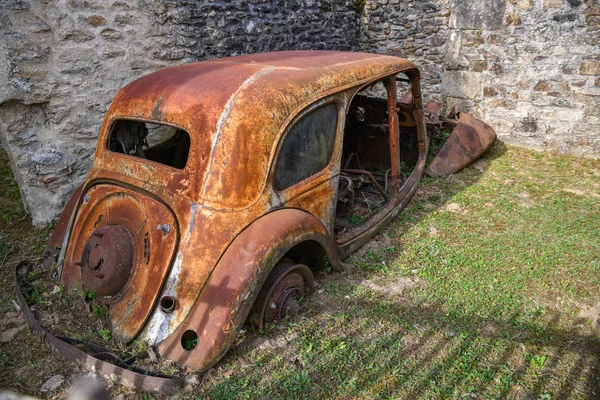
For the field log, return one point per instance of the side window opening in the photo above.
(308, 146)
(160, 143)
(364, 186)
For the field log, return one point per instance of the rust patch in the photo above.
(106, 255)
(469, 140)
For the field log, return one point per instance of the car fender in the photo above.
(55, 244)
(226, 299)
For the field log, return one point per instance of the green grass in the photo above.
(25, 363)
(476, 290)
(18, 239)
(502, 263)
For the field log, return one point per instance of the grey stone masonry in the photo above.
(413, 29)
(61, 63)
(530, 68)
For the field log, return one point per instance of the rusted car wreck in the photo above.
(219, 187)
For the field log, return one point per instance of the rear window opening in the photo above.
(160, 143)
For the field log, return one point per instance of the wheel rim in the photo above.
(280, 295)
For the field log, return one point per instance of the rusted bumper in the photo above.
(130, 377)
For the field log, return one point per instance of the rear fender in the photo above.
(55, 243)
(225, 301)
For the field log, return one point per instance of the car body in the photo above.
(184, 244)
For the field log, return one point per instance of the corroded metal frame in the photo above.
(232, 225)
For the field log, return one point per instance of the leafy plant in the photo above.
(34, 296)
(358, 6)
(5, 246)
(105, 334)
(355, 219)
(190, 344)
(302, 379)
(34, 274)
(371, 255)
(308, 348)
(169, 370)
(98, 311)
(327, 263)
(140, 345)
(268, 327)
(538, 361)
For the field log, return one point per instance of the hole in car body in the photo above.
(160, 143)
(366, 167)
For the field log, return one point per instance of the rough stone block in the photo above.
(569, 114)
(513, 19)
(96, 20)
(462, 84)
(593, 22)
(591, 91)
(567, 69)
(564, 86)
(497, 69)
(486, 14)
(589, 67)
(524, 4)
(490, 92)
(29, 22)
(518, 96)
(77, 36)
(552, 3)
(478, 66)
(113, 52)
(543, 86)
(464, 105)
(452, 56)
(498, 103)
(110, 34)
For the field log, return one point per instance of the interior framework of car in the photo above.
(364, 185)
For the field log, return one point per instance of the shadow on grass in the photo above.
(355, 343)
(399, 350)
(434, 192)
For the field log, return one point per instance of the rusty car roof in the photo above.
(234, 109)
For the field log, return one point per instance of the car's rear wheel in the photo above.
(281, 293)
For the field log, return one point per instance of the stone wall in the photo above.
(413, 29)
(531, 68)
(62, 61)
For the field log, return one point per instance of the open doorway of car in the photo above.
(379, 154)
